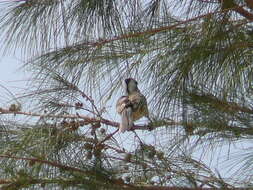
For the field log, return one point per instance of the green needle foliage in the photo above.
(193, 61)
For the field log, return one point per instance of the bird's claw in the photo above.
(150, 128)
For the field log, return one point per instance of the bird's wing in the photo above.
(137, 100)
(139, 105)
(124, 108)
(122, 103)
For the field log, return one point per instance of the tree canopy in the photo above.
(192, 60)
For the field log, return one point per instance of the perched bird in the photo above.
(132, 106)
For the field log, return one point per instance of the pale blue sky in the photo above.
(14, 79)
(11, 76)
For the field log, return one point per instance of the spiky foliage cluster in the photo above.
(192, 59)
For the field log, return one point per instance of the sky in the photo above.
(14, 79)
(11, 75)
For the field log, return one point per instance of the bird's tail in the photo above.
(126, 120)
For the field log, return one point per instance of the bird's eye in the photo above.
(127, 81)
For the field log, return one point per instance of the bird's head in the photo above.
(131, 85)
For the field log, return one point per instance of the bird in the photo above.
(132, 106)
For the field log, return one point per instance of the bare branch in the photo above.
(249, 4)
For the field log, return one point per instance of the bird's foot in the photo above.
(131, 128)
(150, 127)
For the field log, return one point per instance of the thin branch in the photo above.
(249, 4)
(156, 124)
(75, 88)
(147, 32)
(173, 188)
(86, 120)
(5, 181)
(89, 99)
(244, 13)
(107, 137)
(239, 9)
(220, 104)
(54, 164)
(69, 168)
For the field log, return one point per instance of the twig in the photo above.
(155, 30)
(156, 124)
(108, 137)
(74, 87)
(89, 99)
(86, 120)
(239, 9)
(69, 168)
(55, 164)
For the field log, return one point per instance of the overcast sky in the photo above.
(13, 78)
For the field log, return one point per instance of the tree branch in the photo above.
(85, 120)
(227, 5)
(69, 168)
(169, 188)
(249, 3)
(143, 33)
(54, 164)
(243, 12)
